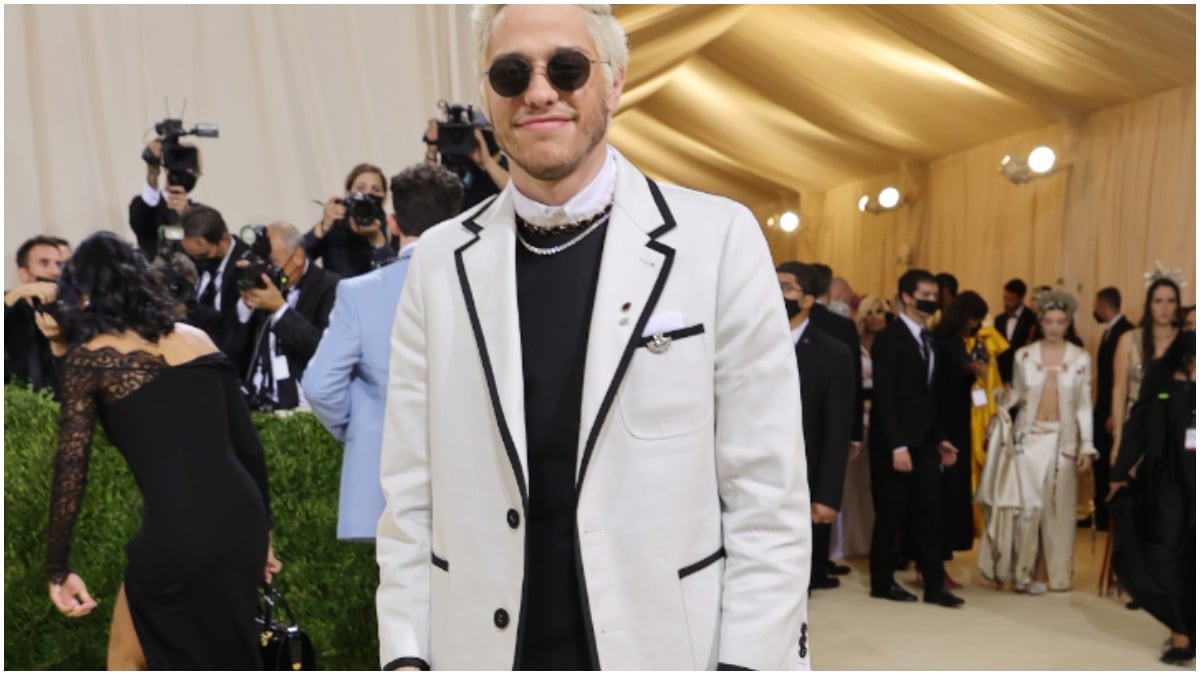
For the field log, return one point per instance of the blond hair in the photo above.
(864, 306)
(602, 27)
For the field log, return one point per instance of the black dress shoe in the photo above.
(1084, 522)
(836, 569)
(824, 582)
(895, 592)
(1133, 604)
(1179, 656)
(943, 597)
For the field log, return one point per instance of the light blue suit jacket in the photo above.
(346, 384)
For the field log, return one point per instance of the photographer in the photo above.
(206, 240)
(156, 206)
(483, 173)
(350, 239)
(179, 276)
(282, 312)
(29, 350)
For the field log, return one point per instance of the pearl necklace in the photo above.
(565, 245)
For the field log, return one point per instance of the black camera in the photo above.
(56, 309)
(364, 209)
(180, 161)
(456, 135)
(259, 257)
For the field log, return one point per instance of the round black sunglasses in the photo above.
(567, 70)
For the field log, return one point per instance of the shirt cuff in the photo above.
(903, 447)
(278, 314)
(151, 195)
(244, 311)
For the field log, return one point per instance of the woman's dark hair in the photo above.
(122, 291)
(966, 305)
(366, 168)
(1147, 322)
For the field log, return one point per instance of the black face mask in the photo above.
(792, 307)
(927, 306)
(1097, 317)
(209, 265)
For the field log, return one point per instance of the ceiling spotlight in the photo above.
(863, 201)
(789, 221)
(1041, 159)
(771, 221)
(1022, 169)
(889, 197)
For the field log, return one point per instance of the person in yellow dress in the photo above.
(984, 394)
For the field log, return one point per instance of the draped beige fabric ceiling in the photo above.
(766, 103)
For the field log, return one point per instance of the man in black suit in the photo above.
(28, 355)
(845, 331)
(827, 399)
(908, 445)
(1107, 311)
(206, 240)
(156, 206)
(281, 327)
(1016, 322)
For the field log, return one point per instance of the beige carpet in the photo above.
(995, 630)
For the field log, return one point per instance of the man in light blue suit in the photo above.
(346, 380)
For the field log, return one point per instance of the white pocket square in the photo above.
(664, 322)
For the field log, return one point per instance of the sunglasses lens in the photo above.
(568, 71)
(509, 76)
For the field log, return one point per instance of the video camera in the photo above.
(364, 209)
(259, 256)
(181, 161)
(170, 240)
(456, 135)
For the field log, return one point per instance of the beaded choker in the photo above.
(565, 228)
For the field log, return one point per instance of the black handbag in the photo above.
(285, 646)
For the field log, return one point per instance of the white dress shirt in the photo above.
(586, 203)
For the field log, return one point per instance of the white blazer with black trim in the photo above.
(693, 524)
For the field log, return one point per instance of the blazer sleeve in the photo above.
(885, 363)
(402, 543)
(326, 380)
(144, 221)
(761, 472)
(1083, 405)
(838, 410)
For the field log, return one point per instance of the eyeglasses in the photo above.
(567, 70)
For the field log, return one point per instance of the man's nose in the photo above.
(540, 92)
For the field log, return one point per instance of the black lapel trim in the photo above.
(477, 329)
(588, 630)
(439, 563)
(701, 564)
(635, 339)
(469, 221)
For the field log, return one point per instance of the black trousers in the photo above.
(915, 499)
(820, 551)
(1100, 472)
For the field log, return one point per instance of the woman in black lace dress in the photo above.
(170, 402)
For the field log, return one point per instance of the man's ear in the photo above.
(618, 87)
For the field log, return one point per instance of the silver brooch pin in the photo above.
(659, 343)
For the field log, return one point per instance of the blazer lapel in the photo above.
(486, 268)
(633, 270)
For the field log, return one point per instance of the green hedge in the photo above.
(330, 585)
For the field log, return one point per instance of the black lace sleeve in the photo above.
(246, 441)
(80, 390)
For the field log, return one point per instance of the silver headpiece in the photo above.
(1056, 299)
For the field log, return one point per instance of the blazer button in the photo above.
(501, 619)
(514, 518)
